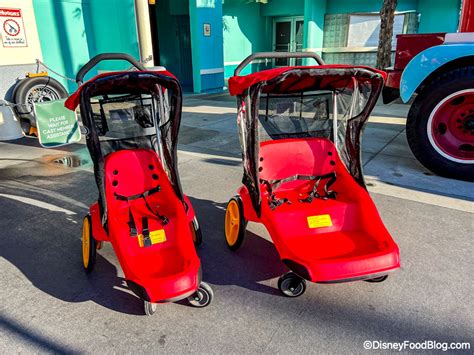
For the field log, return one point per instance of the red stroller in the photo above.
(300, 134)
(132, 121)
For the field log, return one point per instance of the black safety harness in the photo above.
(131, 222)
(272, 185)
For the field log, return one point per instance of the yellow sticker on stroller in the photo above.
(323, 220)
(155, 237)
(158, 236)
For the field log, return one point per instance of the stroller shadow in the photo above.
(46, 248)
(257, 259)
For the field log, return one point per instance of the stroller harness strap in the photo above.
(134, 197)
(146, 232)
(131, 223)
(271, 185)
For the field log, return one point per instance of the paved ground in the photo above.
(49, 304)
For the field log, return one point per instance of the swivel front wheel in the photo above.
(202, 297)
(291, 285)
(377, 279)
(149, 307)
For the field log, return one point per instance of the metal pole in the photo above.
(144, 32)
(157, 120)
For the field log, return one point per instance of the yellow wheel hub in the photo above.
(86, 242)
(232, 222)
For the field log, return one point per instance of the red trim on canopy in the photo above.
(237, 84)
(73, 101)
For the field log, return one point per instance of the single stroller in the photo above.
(300, 133)
(132, 121)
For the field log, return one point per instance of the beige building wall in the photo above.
(24, 54)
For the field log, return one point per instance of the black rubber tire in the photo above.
(242, 224)
(377, 279)
(291, 285)
(22, 88)
(92, 248)
(202, 297)
(416, 129)
(25, 126)
(149, 308)
(196, 232)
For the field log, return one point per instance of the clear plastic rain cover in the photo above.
(333, 103)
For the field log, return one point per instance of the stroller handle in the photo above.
(277, 55)
(106, 56)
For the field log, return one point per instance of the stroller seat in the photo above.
(139, 176)
(310, 157)
(327, 236)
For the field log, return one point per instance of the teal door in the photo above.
(184, 41)
(288, 37)
(174, 39)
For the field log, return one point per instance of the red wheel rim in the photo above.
(451, 127)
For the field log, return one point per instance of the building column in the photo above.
(314, 11)
(144, 32)
(205, 18)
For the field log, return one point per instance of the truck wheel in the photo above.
(37, 89)
(440, 125)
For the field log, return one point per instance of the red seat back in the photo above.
(134, 171)
(283, 158)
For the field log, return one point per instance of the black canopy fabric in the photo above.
(152, 102)
(299, 103)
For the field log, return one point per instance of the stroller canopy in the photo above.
(238, 84)
(329, 101)
(130, 110)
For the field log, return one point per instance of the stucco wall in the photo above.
(73, 31)
(16, 62)
(248, 27)
(283, 8)
(438, 15)
(245, 32)
(22, 55)
(348, 6)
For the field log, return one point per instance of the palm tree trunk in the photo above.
(387, 15)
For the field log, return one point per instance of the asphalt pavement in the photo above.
(48, 303)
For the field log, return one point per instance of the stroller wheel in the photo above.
(378, 279)
(89, 245)
(235, 223)
(291, 285)
(150, 308)
(196, 232)
(202, 297)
